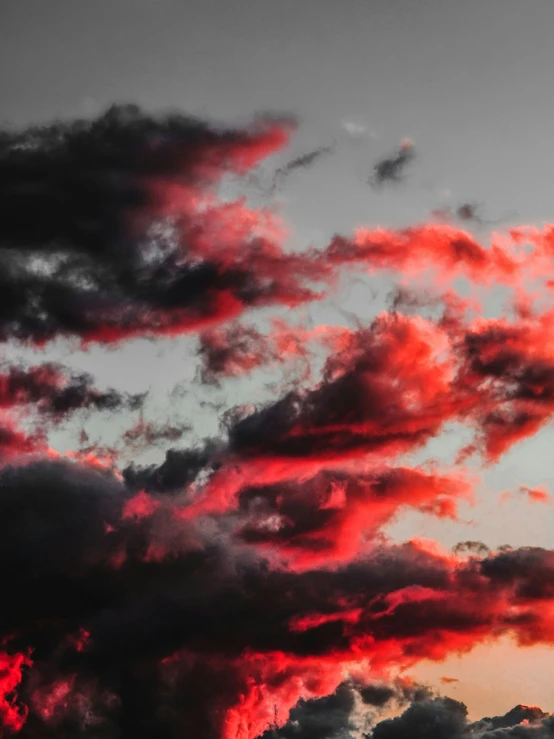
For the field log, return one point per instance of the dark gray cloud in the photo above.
(470, 213)
(126, 604)
(303, 161)
(55, 391)
(100, 236)
(393, 168)
(326, 718)
(475, 547)
(341, 716)
(179, 469)
(445, 718)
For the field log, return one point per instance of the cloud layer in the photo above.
(244, 586)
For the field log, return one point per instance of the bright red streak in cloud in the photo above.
(267, 138)
(12, 714)
(329, 518)
(313, 620)
(449, 251)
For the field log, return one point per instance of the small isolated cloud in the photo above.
(357, 130)
(535, 495)
(393, 167)
(303, 161)
(469, 213)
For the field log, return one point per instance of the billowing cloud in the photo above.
(373, 398)
(447, 719)
(113, 228)
(112, 598)
(338, 717)
(327, 518)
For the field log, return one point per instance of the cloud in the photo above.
(56, 392)
(523, 719)
(179, 469)
(244, 585)
(324, 718)
(347, 415)
(495, 375)
(474, 547)
(346, 712)
(116, 596)
(446, 718)
(337, 717)
(510, 365)
(112, 228)
(149, 434)
(15, 443)
(326, 518)
(233, 351)
(442, 249)
(445, 680)
(237, 349)
(392, 168)
(536, 495)
(303, 161)
(120, 217)
(357, 130)
(469, 212)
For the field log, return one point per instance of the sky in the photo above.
(277, 377)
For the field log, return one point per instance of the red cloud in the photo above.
(12, 713)
(328, 518)
(450, 251)
(536, 495)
